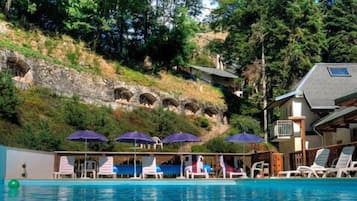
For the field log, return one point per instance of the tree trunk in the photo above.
(265, 101)
(7, 8)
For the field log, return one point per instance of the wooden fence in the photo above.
(295, 158)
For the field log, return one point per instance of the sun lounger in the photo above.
(257, 170)
(343, 164)
(66, 167)
(316, 169)
(150, 168)
(232, 172)
(196, 169)
(106, 164)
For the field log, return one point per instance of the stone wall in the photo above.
(97, 90)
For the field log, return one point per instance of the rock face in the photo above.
(97, 90)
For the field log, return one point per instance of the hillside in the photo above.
(63, 50)
(45, 119)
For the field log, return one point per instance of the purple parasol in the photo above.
(181, 137)
(244, 138)
(86, 136)
(135, 137)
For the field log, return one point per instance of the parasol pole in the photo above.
(181, 166)
(244, 157)
(85, 158)
(134, 158)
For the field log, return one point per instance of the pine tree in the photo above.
(341, 29)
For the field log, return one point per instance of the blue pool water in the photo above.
(182, 190)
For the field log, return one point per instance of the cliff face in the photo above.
(97, 90)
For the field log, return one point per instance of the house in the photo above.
(213, 76)
(340, 127)
(306, 110)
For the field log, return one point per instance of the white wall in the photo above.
(301, 108)
(39, 165)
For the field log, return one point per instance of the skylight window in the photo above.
(338, 72)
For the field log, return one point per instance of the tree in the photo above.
(9, 99)
(7, 8)
(291, 33)
(341, 29)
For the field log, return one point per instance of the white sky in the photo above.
(208, 5)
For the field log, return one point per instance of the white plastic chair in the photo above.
(158, 143)
(149, 167)
(91, 167)
(317, 169)
(257, 170)
(106, 164)
(66, 167)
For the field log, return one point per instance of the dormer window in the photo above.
(338, 72)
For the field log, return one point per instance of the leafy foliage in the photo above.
(290, 33)
(218, 145)
(341, 29)
(242, 124)
(122, 30)
(9, 98)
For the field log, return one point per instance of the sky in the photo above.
(208, 5)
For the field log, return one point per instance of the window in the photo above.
(338, 72)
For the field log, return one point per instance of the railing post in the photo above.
(301, 121)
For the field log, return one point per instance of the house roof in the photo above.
(215, 71)
(320, 88)
(348, 99)
(339, 118)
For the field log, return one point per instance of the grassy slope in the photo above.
(68, 52)
(43, 124)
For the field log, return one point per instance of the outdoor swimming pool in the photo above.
(182, 190)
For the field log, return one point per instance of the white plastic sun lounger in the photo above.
(150, 168)
(343, 164)
(66, 167)
(106, 164)
(316, 169)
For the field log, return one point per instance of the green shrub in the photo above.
(39, 138)
(73, 57)
(76, 114)
(203, 122)
(245, 124)
(50, 46)
(199, 149)
(202, 60)
(9, 99)
(218, 145)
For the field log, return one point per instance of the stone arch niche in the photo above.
(147, 99)
(211, 111)
(18, 67)
(191, 107)
(123, 93)
(170, 104)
